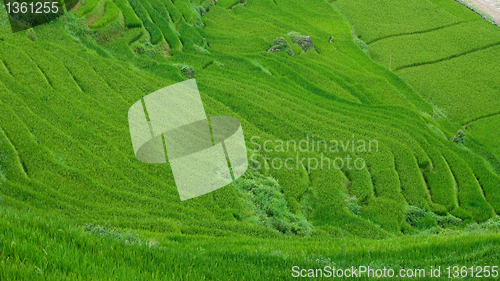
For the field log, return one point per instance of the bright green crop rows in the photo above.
(153, 30)
(65, 146)
(35, 247)
(110, 15)
(413, 50)
(467, 86)
(454, 65)
(374, 20)
(88, 7)
(131, 19)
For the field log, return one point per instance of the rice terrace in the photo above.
(404, 94)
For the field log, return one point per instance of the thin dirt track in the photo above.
(490, 7)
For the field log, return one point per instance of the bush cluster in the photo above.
(305, 42)
(459, 137)
(268, 206)
(145, 48)
(419, 218)
(351, 203)
(30, 33)
(281, 45)
(422, 219)
(199, 11)
(188, 71)
(491, 224)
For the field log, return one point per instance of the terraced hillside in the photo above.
(65, 149)
(447, 53)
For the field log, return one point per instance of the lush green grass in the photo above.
(65, 150)
(453, 65)
(413, 50)
(131, 19)
(111, 13)
(466, 88)
(88, 7)
(34, 247)
(376, 20)
(486, 132)
(161, 18)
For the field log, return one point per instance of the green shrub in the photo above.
(267, 205)
(305, 42)
(281, 45)
(459, 137)
(419, 218)
(131, 19)
(188, 71)
(164, 23)
(351, 203)
(448, 221)
(145, 48)
(199, 11)
(110, 15)
(491, 224)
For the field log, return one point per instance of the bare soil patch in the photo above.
(490, 7)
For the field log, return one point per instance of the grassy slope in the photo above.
(65, 147)
(454, 64)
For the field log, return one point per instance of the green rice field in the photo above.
(402, 77)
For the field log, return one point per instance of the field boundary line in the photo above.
(483, 117)
(47, 79)
(7, 69)
(19, 158)
(447, 58)
(419, 32)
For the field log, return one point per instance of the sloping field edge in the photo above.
(477, 12)
(418, 32)
(448, 58)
